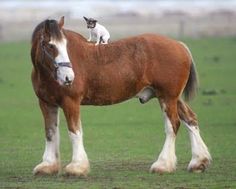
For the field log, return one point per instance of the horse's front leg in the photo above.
(79, 165)
(51, 159)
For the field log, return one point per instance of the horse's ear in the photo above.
(86, 19)
(61, 22)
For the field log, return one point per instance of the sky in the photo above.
(107, 7)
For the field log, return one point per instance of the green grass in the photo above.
(122, 141)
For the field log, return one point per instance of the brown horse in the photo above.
(69, 72)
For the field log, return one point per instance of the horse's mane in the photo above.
(36, 31)
(51, 26)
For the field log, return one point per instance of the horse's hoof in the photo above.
(158, 168)
(46, 168)
(77, 169)
(198, 166)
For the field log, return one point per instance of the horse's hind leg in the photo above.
(166, 161)
(200, 156)
(51, 160)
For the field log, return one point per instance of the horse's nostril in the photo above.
(67, 81)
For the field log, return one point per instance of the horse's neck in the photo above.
(75, 35)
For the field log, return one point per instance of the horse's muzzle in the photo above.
(65, 75)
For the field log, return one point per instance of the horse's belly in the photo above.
(108, 96)
(110, 91)
(101, 101)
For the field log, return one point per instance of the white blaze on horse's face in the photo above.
(65, 75)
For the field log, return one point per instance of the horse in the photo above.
(69, 72)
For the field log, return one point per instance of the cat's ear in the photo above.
(86, 19)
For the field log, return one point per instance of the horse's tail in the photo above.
(191, 87)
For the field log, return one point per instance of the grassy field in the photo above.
(122, 141)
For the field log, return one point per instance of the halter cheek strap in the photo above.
(56, 64)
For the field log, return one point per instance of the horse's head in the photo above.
(54, 55)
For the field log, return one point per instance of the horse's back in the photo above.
(119, 70)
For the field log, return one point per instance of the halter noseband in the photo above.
(56, 64)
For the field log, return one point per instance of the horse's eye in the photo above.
(51, 46)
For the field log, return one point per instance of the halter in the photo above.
(56, 64)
